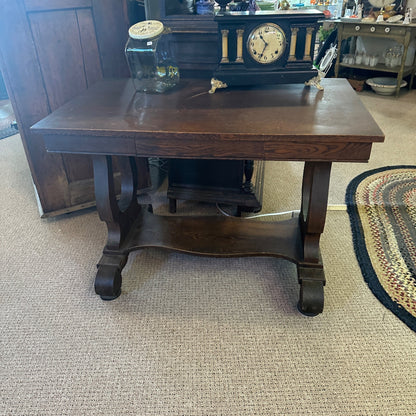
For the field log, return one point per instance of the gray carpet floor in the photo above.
(7, 119)
(197, 336)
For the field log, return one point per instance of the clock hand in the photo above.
(265, 46)
(261, 37)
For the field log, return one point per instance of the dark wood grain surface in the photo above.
(286, 122)
(277, 112)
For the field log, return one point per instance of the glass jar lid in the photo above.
(146, 29)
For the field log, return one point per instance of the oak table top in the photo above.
(283, 122)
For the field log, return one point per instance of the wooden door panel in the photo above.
(111, 25)
(42, 5)
(22, 75)
(79, 168)
(90, 53)
(56, 36)
(58, 49)
(67, 47)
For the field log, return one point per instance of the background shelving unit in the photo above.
(402, 34)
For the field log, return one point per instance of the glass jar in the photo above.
(151, 60)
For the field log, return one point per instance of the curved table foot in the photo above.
(108, 278)
(108, 282)
(311, 297)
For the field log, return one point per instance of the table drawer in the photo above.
(360, 29)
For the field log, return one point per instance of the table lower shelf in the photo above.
(215, 236)
(218, 237)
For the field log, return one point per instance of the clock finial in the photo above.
(223, 5)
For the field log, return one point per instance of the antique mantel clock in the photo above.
(265, 47)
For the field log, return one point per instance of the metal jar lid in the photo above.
(146, 29)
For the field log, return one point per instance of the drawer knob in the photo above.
(357, 28)
(387, 29)
(372, 29)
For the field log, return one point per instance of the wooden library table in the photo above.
(283, 122)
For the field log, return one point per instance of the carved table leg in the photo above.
(118, 215)
(248, 174)
(312, 221)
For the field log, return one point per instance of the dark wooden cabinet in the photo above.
(194, 36)
(195, 42)
(50, 51)
(233, 182)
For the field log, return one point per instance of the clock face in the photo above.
(266, 43)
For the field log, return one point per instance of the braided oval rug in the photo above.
(381, 204)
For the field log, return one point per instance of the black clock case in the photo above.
(284, 71)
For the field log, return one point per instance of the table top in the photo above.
(232, 123)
